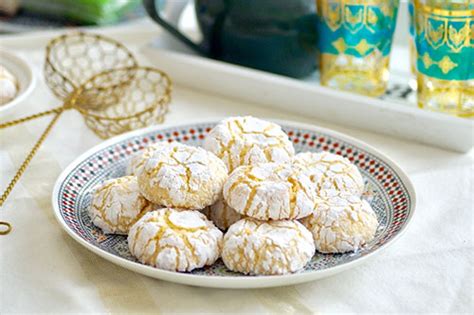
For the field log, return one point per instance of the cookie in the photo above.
(139, 159)
(182, 176)
(175, 240)
(222, 215)
(267, 248)
(117, 204)
(247, 141)
(341, 222)
(270, 191)
(331, 171)
(8, 86)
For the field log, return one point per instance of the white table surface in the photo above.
(430, 269)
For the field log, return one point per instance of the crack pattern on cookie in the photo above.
(267, 248)
(175, 240)
(331, 171)
(248, 140)
(139, 159)
(270, 191)
(117, 204)
(341, 222)
(182, 176)
(222, 214)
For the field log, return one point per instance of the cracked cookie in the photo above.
(222, 214)
(270, 191)
(182, 176)
(248, 140)
(331, 171)
(175, 240)
(117, 204)
(267, 248)
(341, 222)
(139, 159)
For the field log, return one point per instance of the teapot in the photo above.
(277, 36)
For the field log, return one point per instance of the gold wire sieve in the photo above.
(100, 78)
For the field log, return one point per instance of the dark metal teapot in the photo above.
(278, 36)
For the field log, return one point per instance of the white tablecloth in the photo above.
(430, 269)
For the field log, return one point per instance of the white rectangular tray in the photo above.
(394, 114)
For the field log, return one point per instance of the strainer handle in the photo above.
(30, 117)
(5, 226)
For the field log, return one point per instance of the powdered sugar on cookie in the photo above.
(248, 140)
(267, 248)
(270, 191)
(139, 159)
(331, 171)
(341, 222)
(117, 205)
(175, 240)
(182, 176)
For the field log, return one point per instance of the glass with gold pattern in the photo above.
(412, 45)
(355, 38)
(445, 55)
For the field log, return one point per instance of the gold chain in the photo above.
(7, 227)
(31, 117)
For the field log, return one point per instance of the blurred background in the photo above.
(34, 15)
(298, 39)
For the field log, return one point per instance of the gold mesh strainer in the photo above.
(73, 58)
(100, 78)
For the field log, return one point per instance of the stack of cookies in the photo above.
(276, 208)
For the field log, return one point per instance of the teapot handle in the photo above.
(153, 12)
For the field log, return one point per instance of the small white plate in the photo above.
(388, 190)
(23, 73)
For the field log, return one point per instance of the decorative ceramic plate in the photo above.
(24, 75)
(388, 189)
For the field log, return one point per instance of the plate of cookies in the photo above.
(237, 203)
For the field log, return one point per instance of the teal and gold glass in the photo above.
(411, 28)
(445, 55)
(355, 38)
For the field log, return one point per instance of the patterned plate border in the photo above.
(396, 200)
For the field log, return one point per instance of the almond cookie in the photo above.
(117, 204)
(270, 191)
(267, 248)
(8, 86)
(182, 176)
(341, 222)
(331, 171)
(175, 240)
(248, 140)
(139, 159)
(222, 214)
